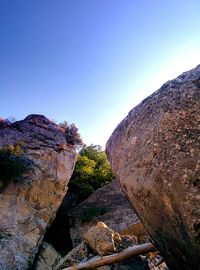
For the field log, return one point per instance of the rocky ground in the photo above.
(102, 241)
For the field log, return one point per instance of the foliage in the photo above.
(16, 149)
(91, 172)
(13, 164)
(91, 212)
(71, 133)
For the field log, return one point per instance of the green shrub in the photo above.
(91, 172)
(13, 164)
(91, 212)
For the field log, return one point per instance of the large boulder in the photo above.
(155, 153)
(28, 207)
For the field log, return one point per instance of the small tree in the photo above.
(91, 172)
(71, 133)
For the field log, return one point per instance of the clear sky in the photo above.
(91, 61)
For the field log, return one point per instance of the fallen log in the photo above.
(114, 258)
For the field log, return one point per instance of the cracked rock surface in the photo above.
(27, 208)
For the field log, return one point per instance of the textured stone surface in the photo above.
(79, 254)
(138, 230)
(155, 153)
(102, 239)
(112, 208)
(27, 208)
(47, 258)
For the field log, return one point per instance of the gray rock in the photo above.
(107, 204)
(47, 258)
(155, 152)
(102, 240)
(27, 208)
(80, 253)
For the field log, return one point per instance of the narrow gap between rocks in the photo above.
(58, 234)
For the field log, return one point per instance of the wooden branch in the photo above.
(114, 258)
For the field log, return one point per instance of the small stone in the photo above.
(102, 239)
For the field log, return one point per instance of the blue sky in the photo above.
(91, 61)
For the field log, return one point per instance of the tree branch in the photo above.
(114, 258)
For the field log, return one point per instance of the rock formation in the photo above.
(47, 257)
(107, 204)
(155, 153)
(27, 208)
(99, 241)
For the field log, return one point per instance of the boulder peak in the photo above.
(37, 118)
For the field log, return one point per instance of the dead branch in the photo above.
(114, 258)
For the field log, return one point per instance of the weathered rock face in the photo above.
(102, 239)
(47, 258)
(155, 153)
(107, 204)
(28, 207)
